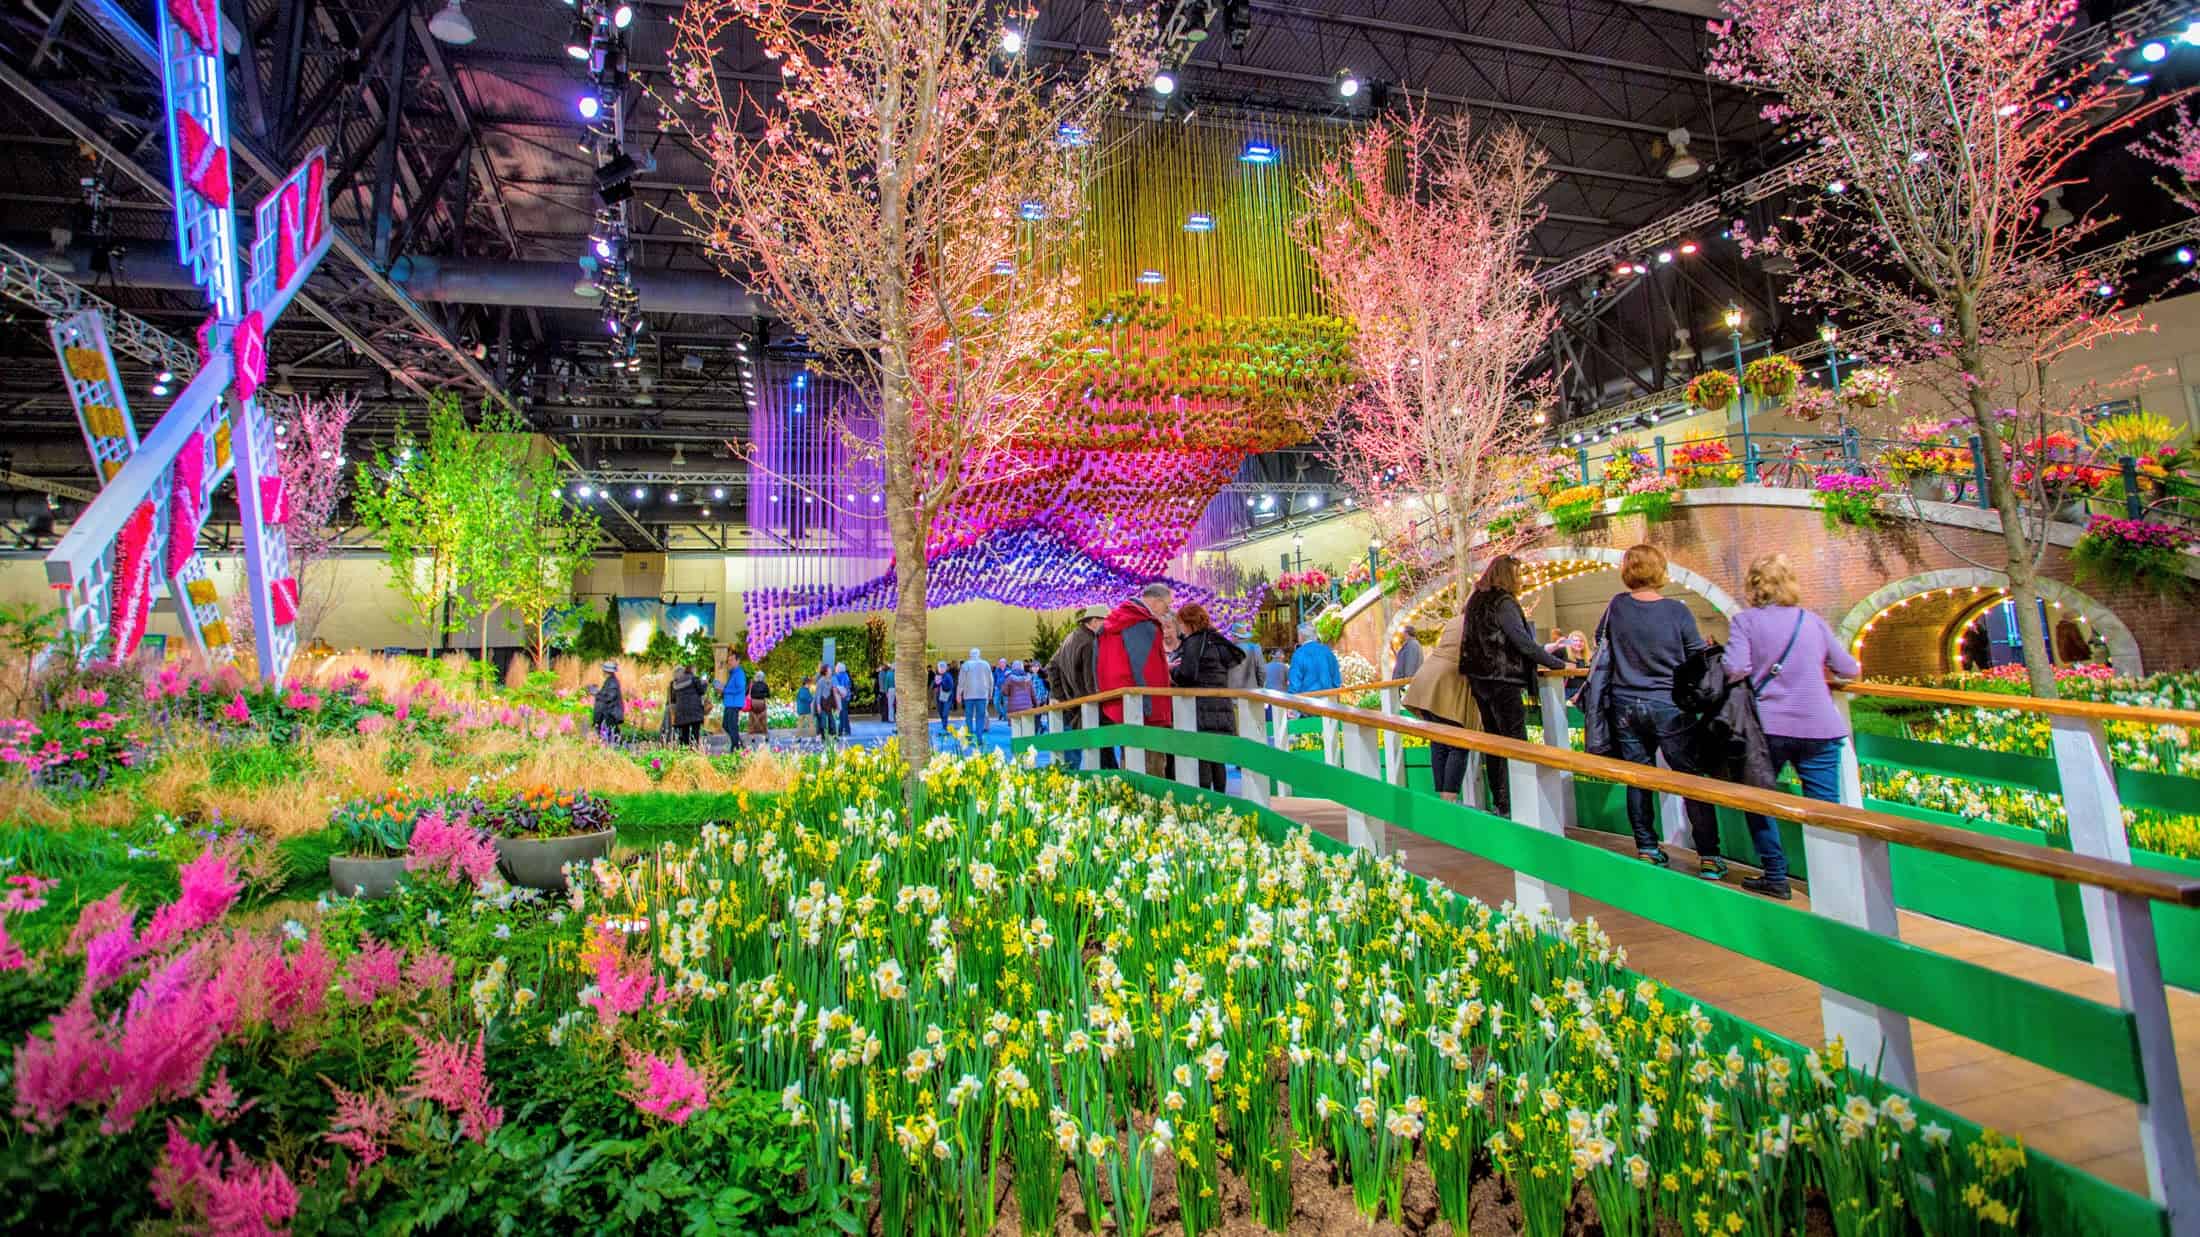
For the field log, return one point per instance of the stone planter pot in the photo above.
(538, 863)
(1929, 489)
(358, 876)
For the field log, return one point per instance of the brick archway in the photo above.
(2124, 652)
(1680, 575)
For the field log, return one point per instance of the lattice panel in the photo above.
(206, 230)
(95, 389)
(267, 555)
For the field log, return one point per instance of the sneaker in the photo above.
(1770, 888)
(1714, 869)
(1657, 857)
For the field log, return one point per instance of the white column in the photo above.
(1184, 716)
(1362, 755)
(2096, 816)
(2165, 1132)
(1329, 742)
(1852, 880)
(1394, 748)
(1550, 697)
(1279, 737)
(1256, 786)
(1134, 714)
(1536, 793)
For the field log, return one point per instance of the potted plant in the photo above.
(1810, 404)
(1711, 390)
(1649, 496)
(540, 830)
(1771, 377)
(1706, 462)
(1919, 468)
(377, 834)
(1575, 508)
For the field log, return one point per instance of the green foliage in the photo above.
(254, 766)
(26, 630)
(1329, 625)
(1047, 637)
(698, 653)
(598, 637)
(796, 657)
(662, 649)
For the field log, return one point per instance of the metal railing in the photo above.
(1872, 983)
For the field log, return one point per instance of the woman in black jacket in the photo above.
(689, 700)
(1205, 658)
(1498, 654)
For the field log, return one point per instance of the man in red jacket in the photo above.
(1133, 652)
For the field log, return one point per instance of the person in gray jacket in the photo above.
(974, 688)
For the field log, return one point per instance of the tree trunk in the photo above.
(909, 529)
(1462, 550)
(2024, 593)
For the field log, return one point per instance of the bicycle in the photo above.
(1797, 468)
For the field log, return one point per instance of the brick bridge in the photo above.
(1901, 596)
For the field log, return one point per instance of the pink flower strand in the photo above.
(672, 1090)
(454, 1075)
(249, 1200)
(457, 850)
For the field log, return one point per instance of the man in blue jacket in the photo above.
(1313, 664)
(734, 698)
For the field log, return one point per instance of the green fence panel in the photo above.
(2176, 928)
(2061, 1199)
(1970, 764)
(2018, 905)
(2083, 1039)
(2166, 792)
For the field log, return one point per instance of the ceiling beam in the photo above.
(1464, 39)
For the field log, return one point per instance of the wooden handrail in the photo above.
(1878, 826)
(2091, 710)
(1338, 693)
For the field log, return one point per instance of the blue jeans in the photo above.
(1818, 766)
(1643, 728)
(974, 717)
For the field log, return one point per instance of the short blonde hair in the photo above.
(1771, 582)
(1643, 566)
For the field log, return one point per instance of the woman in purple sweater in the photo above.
(1786, 654)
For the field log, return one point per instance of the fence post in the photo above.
(1329, 742)
(1279, 737)
(1658, 444)
(1134, 714)
(1184, 717)
(1088, 718)
(1361, 757)
(1394, 747)
(1581, 456)
(1538, 796)
(1257, 787)
(1978, 476)
(1550, 699)
(2096, 815)
(2133, 508)
(2165, 1132)
(1019, 726)
(1852, 880)
(1852, 448)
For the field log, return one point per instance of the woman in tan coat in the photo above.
(1439, 693)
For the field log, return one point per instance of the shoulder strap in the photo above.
(1777, 662)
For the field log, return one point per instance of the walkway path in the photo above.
(2069, 1120)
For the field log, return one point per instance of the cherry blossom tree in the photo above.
(316, 476)
(908, 198)
(1419, 231)
(1947, 123)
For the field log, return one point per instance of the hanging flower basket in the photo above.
(1810, 404)
(2134, 554)
(1711, 390)
(1771, 377)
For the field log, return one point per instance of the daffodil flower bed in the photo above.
(1118, 1003)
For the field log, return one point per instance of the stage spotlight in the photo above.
(1164, 83)
(623, 16)
(590, 106)
(1348, 83)
(615, 179)
(1012, 40)
(578, 38)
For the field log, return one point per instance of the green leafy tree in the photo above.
(411, 498)
(1046, 637)
(547, 542)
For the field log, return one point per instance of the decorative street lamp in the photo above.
(1749, 450)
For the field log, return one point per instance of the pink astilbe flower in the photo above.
(623, 984)
(429, 971)
(456, 1076)
(371, 972)
(209, 887)
(457, 850)
(250, 1200)
(220, 1100)
(363, 1124)
(12, 957)
(237, 711)
(672, 1090)
(73, 1065)
(372, 723)
(98, 919)
(298, 982)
